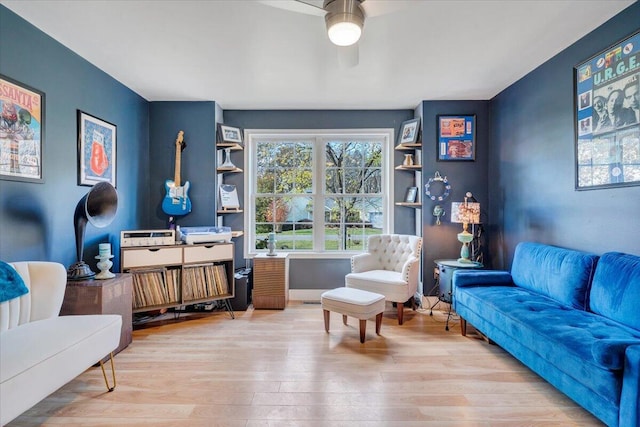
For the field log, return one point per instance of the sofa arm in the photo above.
(462, 278)
(363, 262)
(630, 398)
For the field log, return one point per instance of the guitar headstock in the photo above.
(180, 141)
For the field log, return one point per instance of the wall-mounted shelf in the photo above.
(409, 168)
(406, 147)
(409, 204)
(231, 145)
(229, 170)
(229, 211)
(235, 234)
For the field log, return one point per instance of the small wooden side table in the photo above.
(270, 281)
(110, 296)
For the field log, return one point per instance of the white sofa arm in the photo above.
(364, 262)
(47, 282)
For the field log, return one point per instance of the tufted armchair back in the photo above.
(393, 250)
(46, 282)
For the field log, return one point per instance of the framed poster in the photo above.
(456, 137)
(96, 150)
(21, 131)
(607, 117)
(229, 197)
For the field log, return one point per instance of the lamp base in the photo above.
(80, 271)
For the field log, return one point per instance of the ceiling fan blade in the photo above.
(382, 7)
(295, 6)
(348, 56)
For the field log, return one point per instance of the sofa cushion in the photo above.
(30, 344)
(615, 292)
(562, 336)
(385, 282)
(561, 274)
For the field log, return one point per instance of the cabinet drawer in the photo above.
(132, 258)
(208, 253)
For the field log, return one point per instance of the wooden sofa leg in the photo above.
(113, 373)
(400, 312)
(463, 327)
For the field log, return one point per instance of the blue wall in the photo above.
(315, 274)
(532, 162)
(197, 120)
(37, 219)
(463, 176)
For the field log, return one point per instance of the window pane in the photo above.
(333, 181)
(266, 181)
(353, 181)
(353, 154)
(372, 181)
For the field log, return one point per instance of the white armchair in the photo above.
(390, 267)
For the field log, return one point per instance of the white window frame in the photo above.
(253, 135)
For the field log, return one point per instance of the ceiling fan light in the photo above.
(345, 20)
(344, 33)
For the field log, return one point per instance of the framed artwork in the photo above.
(607, 117)
(230, 134)
(229, 197)
(409, 131)
(456, 137)
(96, 150)
(412, 193)
(21, 131)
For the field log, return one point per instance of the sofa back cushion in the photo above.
(46, 282)
(615, 292)
(561, 274)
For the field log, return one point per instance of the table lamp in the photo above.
(466, 213)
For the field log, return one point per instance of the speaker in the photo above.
(97, 207)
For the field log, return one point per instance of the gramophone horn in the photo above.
(98, 207)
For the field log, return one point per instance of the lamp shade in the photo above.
(345, 20)
(465, 212)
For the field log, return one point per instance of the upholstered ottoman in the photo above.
(356, 303)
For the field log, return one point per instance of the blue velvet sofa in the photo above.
(572, 317)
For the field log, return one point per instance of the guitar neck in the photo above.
(176, 176)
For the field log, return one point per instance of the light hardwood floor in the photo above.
(280, 368)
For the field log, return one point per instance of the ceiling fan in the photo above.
(344, 19)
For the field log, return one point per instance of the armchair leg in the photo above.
(113, 374)
(400, 313)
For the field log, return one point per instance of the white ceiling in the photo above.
(244, 54)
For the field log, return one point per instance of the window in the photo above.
(318, 191)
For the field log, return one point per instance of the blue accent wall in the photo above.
(304, 273)
(440, 241)
(532, 162)
(197, 120)
(37, 219)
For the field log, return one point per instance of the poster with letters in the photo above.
(607, 112)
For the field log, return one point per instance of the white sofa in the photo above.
(41, 351)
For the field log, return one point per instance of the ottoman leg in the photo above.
(326, 320)
(344, 319)
(363, 329)
(378, 323)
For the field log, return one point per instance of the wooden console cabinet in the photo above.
(270, 281)
(176, 275)
(110, 296)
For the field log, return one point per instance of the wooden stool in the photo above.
(356, 303)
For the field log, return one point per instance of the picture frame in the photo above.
(229, 197)
(22, 133)
(409, 131)
(229, 134)
(97, 143)
(411, 195)
(456, 137)
(607, 117)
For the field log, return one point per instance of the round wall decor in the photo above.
(437, 188)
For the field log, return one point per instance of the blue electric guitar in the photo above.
(176, 201)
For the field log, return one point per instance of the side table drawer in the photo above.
(208, 253)
(132, 258)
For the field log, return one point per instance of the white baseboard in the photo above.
(306, 294)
